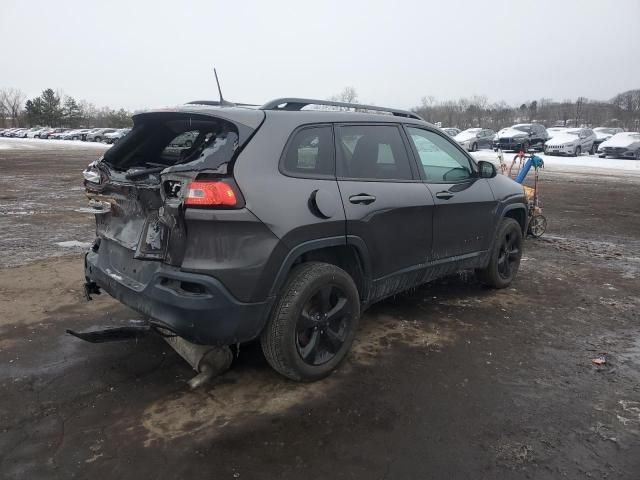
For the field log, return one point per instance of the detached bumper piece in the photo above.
(208, 361)
(112, 334)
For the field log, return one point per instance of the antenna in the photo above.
(222, 102)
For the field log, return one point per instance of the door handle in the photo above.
(444, 195)
(363, 198)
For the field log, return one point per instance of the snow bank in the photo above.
(581, 163)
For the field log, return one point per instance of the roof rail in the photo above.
(216, 103)
(295, 104)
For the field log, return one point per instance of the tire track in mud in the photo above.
(240, 396)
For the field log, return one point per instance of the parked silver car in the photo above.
(115, 137)
(621, 145)
(97, 135)
(473, 139)
(605, 133)
(572, 141)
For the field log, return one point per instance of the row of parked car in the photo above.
(604, 141)
(106, 135)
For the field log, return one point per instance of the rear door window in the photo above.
(441, 161)
(372, 152)
(310, 153)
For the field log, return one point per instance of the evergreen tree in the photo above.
(72, 112)
(51, 111)
(33, 111)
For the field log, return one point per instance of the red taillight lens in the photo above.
(210, 194)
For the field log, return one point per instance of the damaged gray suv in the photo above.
(283, 224)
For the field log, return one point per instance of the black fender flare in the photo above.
(317, 244)
(515, 206)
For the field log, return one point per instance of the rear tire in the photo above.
(505, 256)
(301, 341)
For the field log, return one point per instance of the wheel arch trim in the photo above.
(295, 253)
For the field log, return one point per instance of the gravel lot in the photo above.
(449, 381)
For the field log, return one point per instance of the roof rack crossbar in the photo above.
(295, 104)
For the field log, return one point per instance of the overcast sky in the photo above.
(143, 53)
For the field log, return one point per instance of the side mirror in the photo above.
(486, 169)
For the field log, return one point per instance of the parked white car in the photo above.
(621, 145)
(451, 131)
(572, 141)
(553, 131)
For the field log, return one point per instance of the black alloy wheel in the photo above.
(509, 255)
(323, 325)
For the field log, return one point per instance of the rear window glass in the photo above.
(175, 140)
(310, 153)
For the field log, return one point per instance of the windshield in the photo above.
(472, 130)
(522, 128)
(573, 132)
(604, 130)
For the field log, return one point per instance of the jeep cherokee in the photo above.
(283, 223)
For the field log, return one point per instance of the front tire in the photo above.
(474, 147)
(505, 256)
(577, 152)
(313, 323)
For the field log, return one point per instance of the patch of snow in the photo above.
(41, 144)
(73, 244)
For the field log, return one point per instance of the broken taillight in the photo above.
(210, 193)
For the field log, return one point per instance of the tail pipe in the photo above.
(208, 361)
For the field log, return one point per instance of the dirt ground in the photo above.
(448, 381)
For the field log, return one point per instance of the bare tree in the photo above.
(348, 95)
(11, 102)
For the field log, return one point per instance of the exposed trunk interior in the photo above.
(137, 188)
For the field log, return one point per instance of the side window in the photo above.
(372, 152)
(442, 162)
(310, 153)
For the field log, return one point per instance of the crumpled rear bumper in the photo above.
(193, 306)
